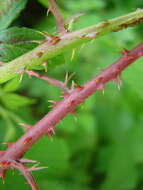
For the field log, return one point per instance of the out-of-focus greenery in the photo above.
(100, 148)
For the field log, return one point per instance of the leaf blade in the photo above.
(9, 11)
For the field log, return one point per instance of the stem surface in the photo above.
(69, 103)
(68, 41)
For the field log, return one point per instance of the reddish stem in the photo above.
(60, 21)
(69, 103)
(52, 81)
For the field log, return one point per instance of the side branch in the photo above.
(68, 104)
(60, 21)
(50, 80)
(48, 50)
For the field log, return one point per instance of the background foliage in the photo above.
(103, 148)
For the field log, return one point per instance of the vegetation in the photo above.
(97, 145)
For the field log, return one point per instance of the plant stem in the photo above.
(49, 50)
(58, 17)
(50, 80)
(69, 103)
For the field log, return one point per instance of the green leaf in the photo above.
(15, 101)
(44, 2)
(9, 52)
(16, 35)
(15, 41)
(9, 10)
(9, 131)
(12, 85)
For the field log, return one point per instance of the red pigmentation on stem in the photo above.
(64, 107)
(27, 140)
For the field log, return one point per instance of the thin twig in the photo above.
(52, 81)
(60, 21)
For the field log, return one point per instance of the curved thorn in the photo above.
(9, 144)
(25, 126)
(36, 168)
(2, 176)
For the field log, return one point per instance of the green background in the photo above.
(101, 147)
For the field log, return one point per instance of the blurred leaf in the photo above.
(135, 141)
(15, 101)
(68, 125)
(15, 41)
(133, 77)
(89, 104)
(9, 10)
(15, 35)
(86, 20)
(85, 135)
(84, 5)
(9, 131)
(12, 85)
(56, 155)
(122, 173)
(61, 185)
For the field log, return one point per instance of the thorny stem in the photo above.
(49, 50)
(68, 104)
(52, 81)
(58, 17)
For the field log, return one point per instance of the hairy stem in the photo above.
(49, 50)
(69, 103)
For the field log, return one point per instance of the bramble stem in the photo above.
(69, 103)
(68, 41)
